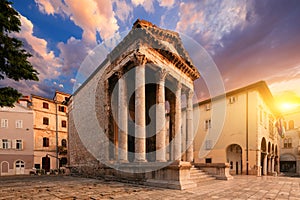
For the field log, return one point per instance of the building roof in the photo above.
(260, 86)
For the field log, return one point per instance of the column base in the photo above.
(140, 161)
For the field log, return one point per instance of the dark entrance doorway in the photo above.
(46, 164)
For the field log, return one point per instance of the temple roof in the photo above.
(165, 42)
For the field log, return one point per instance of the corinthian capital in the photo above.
(161, 75)
(139, 59)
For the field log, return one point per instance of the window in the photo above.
(5, 144)
(46, 120)
(19, 144)
(232, 99)
(45, 142)
(19, 123)
(64, 123)
(64, 143)
(45, 105)
(4, 123)
(287, 143)
(207, 124)
(37, 166)
(207, 160)
(62, 108)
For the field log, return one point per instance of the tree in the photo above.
(13, 58)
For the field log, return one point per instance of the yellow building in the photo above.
(50, 131)
(247, 140)
(290, 143)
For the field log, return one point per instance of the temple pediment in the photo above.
(164, 42)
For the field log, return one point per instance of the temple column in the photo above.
(160, 117)
(140, 109)
(190, 128)
(272, 164)
(265, 166)
(122, 119)
(177, 138)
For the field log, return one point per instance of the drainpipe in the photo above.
(247, 145)
(56, 131)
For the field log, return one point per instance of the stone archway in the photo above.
(263, 157)
(234, 157)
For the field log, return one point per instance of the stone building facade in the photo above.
(117, 118)
(248, 141)
(50, 131)
(16, 139)
(290, 143)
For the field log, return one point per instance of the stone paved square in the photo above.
(67, 187)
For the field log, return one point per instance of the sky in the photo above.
(249, 40)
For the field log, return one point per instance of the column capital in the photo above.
(190, 94)
(139, 59)
(178, 85)
(161, 75)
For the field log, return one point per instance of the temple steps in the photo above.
(199, 176)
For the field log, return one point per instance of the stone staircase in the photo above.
(199, 177)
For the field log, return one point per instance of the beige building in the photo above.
(16, 139)
(50, 131)
(248, 139)
(290, 143)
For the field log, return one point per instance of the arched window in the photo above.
(64, 143)
(291, 124)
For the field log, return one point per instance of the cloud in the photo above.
(91, 15)
(123, 10)
(72, 80)
(43, 60)
(166, 3)
(210, 21)
(146, 4)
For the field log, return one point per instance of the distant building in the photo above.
(50, 131)
(290, 143)
(249, 140)
(16, 139)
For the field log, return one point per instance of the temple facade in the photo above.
(126, 119)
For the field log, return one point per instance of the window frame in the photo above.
(4, 123)
(63, 123)
(46, 142)
(45, 105)
(44, 122)
(19, 123)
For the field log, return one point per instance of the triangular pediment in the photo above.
(167, 43)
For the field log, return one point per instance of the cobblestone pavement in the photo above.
(66, 187)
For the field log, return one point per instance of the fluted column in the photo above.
(160, 117)
(190, 128)
(177, 139)
(122, 119)
(140, 109)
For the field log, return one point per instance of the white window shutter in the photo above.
(9, 144)
(1, 144)
(22, 143)
(14, 142)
